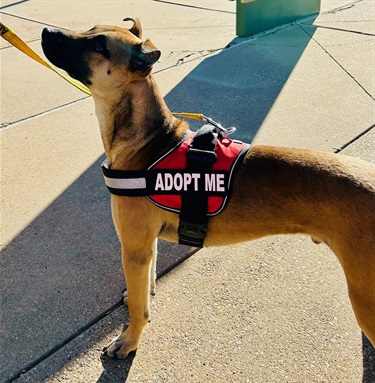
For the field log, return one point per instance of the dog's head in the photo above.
(103, 57)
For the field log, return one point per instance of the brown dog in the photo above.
(275, 191)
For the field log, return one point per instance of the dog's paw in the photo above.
(119, 347)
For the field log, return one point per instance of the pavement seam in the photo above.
(92, 323)
(179, 62)
(185, 59)
(10, 125)
(338, 63)
(193, 6)
(337, 29)
(64, 342)
(342, 7)
(354, 139)
(30, 20)
(144, 29)
(11, 46)
(11, 5)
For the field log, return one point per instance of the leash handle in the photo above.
(9, 35)
(193, 116)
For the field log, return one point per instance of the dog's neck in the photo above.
(137, 126)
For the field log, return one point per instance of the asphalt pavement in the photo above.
(271, 310)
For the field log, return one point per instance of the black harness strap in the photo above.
(201, 156)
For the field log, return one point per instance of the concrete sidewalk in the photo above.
(273, 310)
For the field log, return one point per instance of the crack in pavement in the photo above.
(194, 6)
(337, 29)
(338, 63)
(354, 139)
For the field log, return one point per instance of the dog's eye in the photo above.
(99, 46)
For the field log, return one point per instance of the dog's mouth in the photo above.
(66, 53)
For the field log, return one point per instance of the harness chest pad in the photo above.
(172, 179)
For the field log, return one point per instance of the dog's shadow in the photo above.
(115, 370)
(368, 361)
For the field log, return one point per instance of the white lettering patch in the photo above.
(211, 182)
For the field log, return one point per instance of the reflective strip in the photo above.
(125, 183)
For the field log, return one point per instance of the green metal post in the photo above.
(254, 16)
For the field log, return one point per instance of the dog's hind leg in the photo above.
(356, 254)
(364, 309)
(360, 275)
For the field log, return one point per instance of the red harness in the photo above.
(193, 179)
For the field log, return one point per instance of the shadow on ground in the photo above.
(115, 371)
(63, 272)
(368, 361)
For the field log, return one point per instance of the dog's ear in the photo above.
(136, 29)
(145, 57)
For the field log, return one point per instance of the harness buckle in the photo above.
(191, 234)
(201, 155)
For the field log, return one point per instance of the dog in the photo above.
(276, 190)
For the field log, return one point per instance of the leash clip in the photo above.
(223, 132)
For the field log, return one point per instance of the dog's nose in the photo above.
(51, 35)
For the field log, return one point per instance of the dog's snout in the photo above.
(64, 50)
(50, 35)
(47, 34)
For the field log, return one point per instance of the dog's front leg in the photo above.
(136, 264)
(152, 273)
(153, 267)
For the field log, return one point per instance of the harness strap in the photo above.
(201, 155)
(144, 183)
(130, 183)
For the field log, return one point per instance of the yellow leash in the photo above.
(9, 35)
